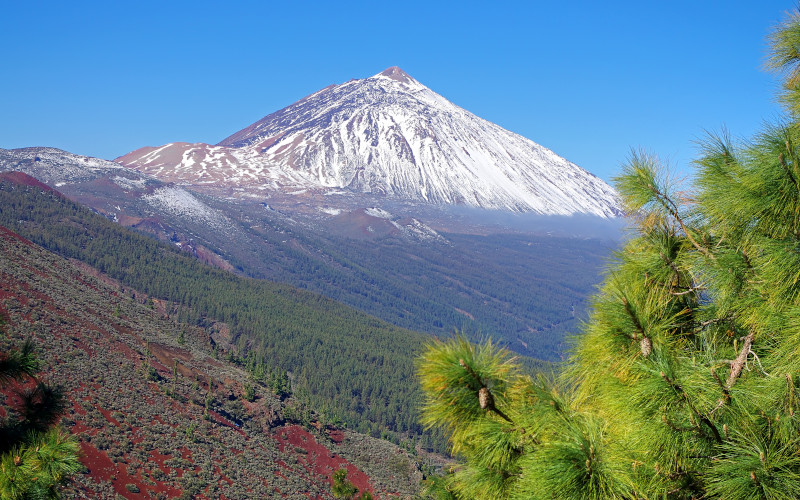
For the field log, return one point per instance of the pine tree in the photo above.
(35, 457)
(684, 382)
(342, 487)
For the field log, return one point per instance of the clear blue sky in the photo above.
(589, 80)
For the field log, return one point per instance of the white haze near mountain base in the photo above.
(578, 225)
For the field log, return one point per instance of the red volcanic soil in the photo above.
(26, 180)
(336, 435)
(319, 459)
(101, 467)
(8, 234)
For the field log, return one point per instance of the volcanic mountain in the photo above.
(387, 136)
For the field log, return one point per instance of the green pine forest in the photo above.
(531, 292)
(685, 381)
(349, 367)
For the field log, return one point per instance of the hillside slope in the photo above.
(350, 365)
(156, 414)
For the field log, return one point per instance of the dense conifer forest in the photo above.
(351, 367)
(529, 291)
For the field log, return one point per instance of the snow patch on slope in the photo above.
(378, 212)
(422, 231)
(56, 167)
(181, 203)
(129, 184)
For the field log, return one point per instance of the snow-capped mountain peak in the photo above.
(387, 136)
(396, 74)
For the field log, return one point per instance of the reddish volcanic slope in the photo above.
(159, 418)
(24, 180)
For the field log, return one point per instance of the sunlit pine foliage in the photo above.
(684, 381)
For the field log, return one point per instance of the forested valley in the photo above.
(352, 367)
(103, 395)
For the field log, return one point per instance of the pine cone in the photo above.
(485, 398)
(646, 345)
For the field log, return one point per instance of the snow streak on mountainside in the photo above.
(386, 135)
(112, 189)
(56, 167)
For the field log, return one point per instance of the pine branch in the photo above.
(679, 389)
(645, 344)
(671, 263)
(722, 386)
(674, 427)
(782, 161)
(631, 314)
(721, 402)
(18, 363)
(707, 322)
(486, 401)
(738, 364)
(687, 289)
(485, 397)
(471, 372)
(672, 209)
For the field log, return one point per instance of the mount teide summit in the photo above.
(387, 136)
